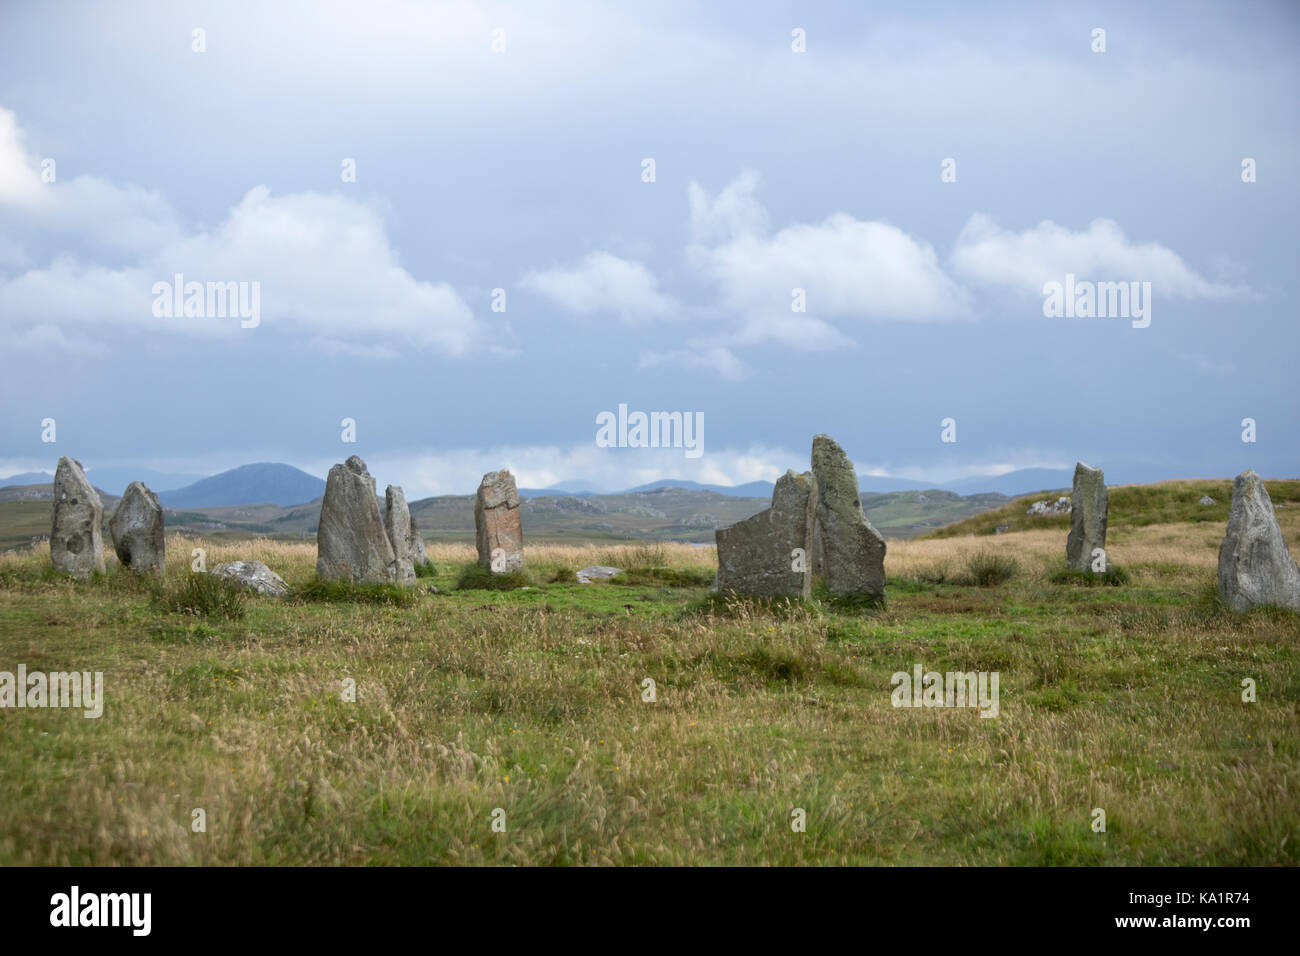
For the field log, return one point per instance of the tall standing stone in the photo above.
(847, 549)
(1255, 567)
(1089, 502)
(415, 544)
(137, 529)
(397, 524)
(351, 543)
(770, 553)
(76, 540)
(499, 531)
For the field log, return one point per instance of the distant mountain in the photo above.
(763, 489)
(115, 480)
(277, 484)
(28, 478)
(879, 484)
(1022, 482)
(753, 489)
(112, 480)
(577, 487)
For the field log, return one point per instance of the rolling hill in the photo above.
(1163, 502)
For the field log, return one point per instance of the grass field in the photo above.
(1125, 698)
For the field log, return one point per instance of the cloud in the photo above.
(1024, 261)
(847, 268)
(603, 283)
(45, 338)
(324, 264)
(733, 212)
(459, 471)
(715, 358)
(20, 183)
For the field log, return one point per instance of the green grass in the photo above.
(671, 577)
(202, 595)
(1114, 577)
(317, 591)
(1125, 697)
(988, 569)
(475, 577)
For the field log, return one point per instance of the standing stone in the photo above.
(846, 548)
(1089, 502)
(415, 544)
(76, 541)
(499, 532)
(1255, 567)
(770, 553)
(351, 544)
(137, 529)
(397, 524)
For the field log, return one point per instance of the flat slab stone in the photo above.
(1255, 567)
(770, 554)
(253, 575)
(597, 571)
(76, 539)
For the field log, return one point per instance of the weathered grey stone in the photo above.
(137, 529)
(76, 540)
(1058, 507)
(499, 532)
(770, 553)
(351, 544)
(415, 544)
(397, 525)
(1206, 500)
(1255, 567)
(846, 548)
(253, 575)
(1089, 503)
(596, 571)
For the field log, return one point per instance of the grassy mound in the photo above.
(475, 577)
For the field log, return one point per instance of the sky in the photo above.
(456, 242)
